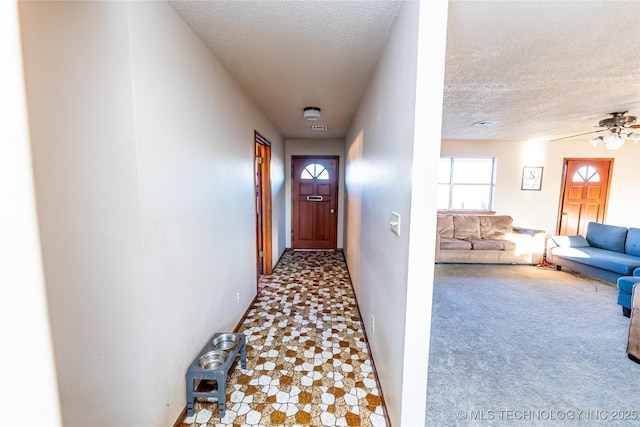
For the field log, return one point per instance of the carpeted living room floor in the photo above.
(528, 345)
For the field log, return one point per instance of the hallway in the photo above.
(307, 358)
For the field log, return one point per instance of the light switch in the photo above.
(395, 222)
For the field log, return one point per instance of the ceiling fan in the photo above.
(618, 126)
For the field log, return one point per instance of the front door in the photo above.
(585, 190)
(314, 184)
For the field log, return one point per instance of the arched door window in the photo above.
(314, 171)
(586, 174)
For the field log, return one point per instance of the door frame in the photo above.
(263, 203)
(565, 167)
(337, 194)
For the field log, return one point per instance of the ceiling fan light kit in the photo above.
(312, 113)
(618, 126)
(612, 141)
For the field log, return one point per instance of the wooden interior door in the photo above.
(585, 190)
(314, 194)
(263, 205)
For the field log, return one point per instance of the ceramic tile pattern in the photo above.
(307, 359)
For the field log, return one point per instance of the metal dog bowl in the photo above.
(225, 341)
(212, 359)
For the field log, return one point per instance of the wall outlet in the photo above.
(373, 323)
(239, 296)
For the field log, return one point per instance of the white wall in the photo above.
(391, 274)
(143, 149)
(279, 229)
(24, 319)
(539, 209)
(315, 147)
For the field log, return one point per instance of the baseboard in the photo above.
(364, 331)
(181, 417)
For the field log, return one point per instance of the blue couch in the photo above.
(625, 290)
(608, 252)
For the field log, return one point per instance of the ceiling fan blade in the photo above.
(580, 134)
(634, 126)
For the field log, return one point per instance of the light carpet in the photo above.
(526, 345)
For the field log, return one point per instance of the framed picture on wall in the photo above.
(532, 177)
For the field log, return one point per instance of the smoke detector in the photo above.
(312, 113)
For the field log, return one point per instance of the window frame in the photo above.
(451, 184)
(322, 175)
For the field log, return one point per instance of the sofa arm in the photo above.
(548, 252)
(565, 242)
(529, 241)
(568, 241)
(531, 232)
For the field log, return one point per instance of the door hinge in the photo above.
(261, 254)
(259, 160)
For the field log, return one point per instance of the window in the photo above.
(586, 174)
(314, 171)
(466, 184)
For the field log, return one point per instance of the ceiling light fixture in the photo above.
(312, 113)
(617, 126)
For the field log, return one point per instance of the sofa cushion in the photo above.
(454, 244)
(445, 226)
(487, 245)
(601, 258)
(603, 236)
(466, 227)
(509, 245)
(632, 245)
(495, 227)
(571, 241)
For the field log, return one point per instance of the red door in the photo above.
(585, 189)
(314, 201)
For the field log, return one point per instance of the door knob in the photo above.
(332, 211)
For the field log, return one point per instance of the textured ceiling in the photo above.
(288, 55)
(541, 69)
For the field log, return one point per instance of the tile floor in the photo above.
(307, 358)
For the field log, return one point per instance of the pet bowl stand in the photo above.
(219, 374)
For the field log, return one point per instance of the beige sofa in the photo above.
(486, 239)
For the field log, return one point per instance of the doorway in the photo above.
(314, 192)
(584, 194)
(263, 205)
